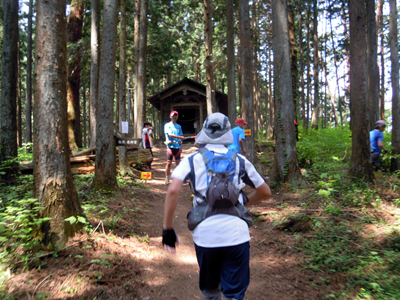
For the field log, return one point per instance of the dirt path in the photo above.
(169, 276)
(275, 268)
(126, 261)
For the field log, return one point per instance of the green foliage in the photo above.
(327, 148)
(338, 248)
(18, 223)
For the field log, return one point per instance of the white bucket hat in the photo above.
(216, 130)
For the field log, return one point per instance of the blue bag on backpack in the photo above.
(222, 196)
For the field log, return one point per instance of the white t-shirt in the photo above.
(146, 135)
(218, 230)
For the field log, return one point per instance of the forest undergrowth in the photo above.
(346, 231)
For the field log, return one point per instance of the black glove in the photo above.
(169, 237)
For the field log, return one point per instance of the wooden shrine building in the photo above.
(188, 98)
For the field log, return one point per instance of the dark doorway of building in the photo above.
(187, 118)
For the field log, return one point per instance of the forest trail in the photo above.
(124, 259)
(275, 270)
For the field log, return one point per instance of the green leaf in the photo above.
(71, 220)
(2, 228)
(82, 220)
(324, 192)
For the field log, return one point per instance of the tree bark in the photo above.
(302, 85)
(123, 158)
(247, 76)
(94, 69)
(333, 109)
(308, 64)
(19, 100)
(315, 116)
(28, 99)
(9, 74)
(293, 59)
(230, 48)
(372, 63)
(54, 186)
(74, 34)
(285, 166)
(140, 64)
(394, 57)
(336, 70)
(360, 164)
(208, 32)
(346, 49)
(382, 54)
(271, 99)
(105, 173)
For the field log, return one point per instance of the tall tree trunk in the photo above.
(360, 165)
(247, 76)
(9, 74)
(142, 83)
(208, 32)
(28, 99)
(84, 114)
(54, 186)
(94, 69)
(286, 166)
(308, 64)
(329, 91)
(19, 100)
(293, 60)
(271, 100)
(372, 63)
(315, 117)
(301, 55)
(74, 34)
(346, 49)
(123, 158)
(336, 70)
(105, 171)
(382, 79)
(140, 64)
(230, 48)
(394, 57)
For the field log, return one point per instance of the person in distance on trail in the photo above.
(147, 141)
(173, 139)
(221, 240)
(238, 137)
(376, 140)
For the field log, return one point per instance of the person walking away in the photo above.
(173, 139)
(376, 140)
(221, 240)
(238, 137)
(147, 142)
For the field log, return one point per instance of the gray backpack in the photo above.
(221, 194)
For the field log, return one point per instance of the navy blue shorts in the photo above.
(228, 266)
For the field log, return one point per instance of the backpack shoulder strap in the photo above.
(193, 178)
(203, 151)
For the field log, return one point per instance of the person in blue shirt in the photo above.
(173, 139)
(376, 140)
(238, 137)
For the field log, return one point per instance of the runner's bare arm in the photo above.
(259, 194)
(171, 201)
(241, 142)
(177, 136)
